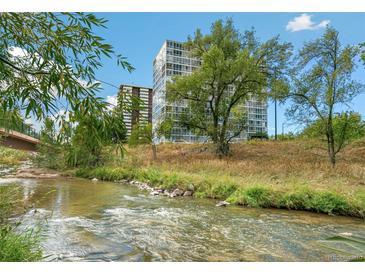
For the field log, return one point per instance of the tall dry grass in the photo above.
(269, 162)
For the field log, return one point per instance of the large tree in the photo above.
(234, 66)
(48, 62)
(323, 85)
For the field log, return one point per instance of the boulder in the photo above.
(155, 193)
(188, 193)
(141, 187)
(177, 192)
(94, 179)
(166, 193)
(151, 189)
(222, 203)
(191, 187)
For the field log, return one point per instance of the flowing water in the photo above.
(86, 221)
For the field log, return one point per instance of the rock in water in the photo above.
(155, 193)
(177, 192)
(166, 193)
(94, 180)
(188, 193)
(222, 203)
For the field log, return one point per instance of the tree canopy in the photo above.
(234, 67)
(48, 62)
(323, 85)
(347, 127)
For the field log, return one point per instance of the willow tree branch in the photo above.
(22, 70)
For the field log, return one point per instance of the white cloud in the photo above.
(18, 52)
(60, 115)
(86, 84)
(36, 124)
(112, 100)
(304, 22)
(64, 113)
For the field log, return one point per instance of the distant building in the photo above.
(174, 59)
(140, 115)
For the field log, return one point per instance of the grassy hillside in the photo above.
(260, 161)
(283, 174)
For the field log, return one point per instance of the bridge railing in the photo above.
(19, 127)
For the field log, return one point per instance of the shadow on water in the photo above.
(85, 221)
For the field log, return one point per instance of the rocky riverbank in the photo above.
(154, 191)
(175, 184)
(28, 171)
(160, 191)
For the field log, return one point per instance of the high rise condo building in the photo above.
(173, 59)
(141, 115)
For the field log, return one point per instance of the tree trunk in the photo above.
(154, 152)
(332, 154)
(222, 148)
(331, 146)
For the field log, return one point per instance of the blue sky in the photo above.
(139, 36)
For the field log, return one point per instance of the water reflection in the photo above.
(85, 221)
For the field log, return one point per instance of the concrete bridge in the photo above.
(22, 137)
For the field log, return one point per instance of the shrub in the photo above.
(50, 157)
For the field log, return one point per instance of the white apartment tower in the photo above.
(174, 59)
(142, 115)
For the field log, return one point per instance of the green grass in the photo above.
(15, 246)
(19, 247)
(9, 156)
(256, 195)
